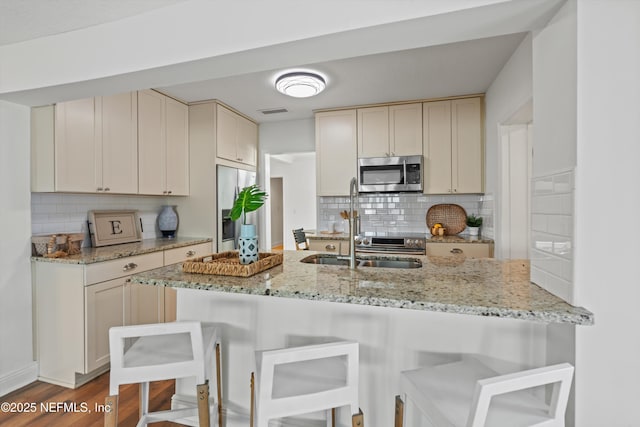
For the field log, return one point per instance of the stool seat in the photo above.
(468, 393)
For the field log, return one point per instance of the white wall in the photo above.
(554, 153)
(554, 100)
(607, 179)
(511, 89)
(298, 173)
(290, 136)
(17, 367)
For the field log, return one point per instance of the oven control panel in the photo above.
(390, 244)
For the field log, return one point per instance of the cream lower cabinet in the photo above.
(75, 305)
(453, 146)
(336, 152)
(470, 250)
(340, 247)
(174, 256)
(104, 309)
(155, 304)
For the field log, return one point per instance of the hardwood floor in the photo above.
(41, 404)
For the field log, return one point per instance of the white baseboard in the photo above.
(19, 378)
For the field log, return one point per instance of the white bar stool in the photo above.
(469, 393)
(161, 351)
(301, 380)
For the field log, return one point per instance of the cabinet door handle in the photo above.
(191, 253)
(107, 189)
(330, 247)
(129, 267)
(456, 251)
(99, 189)
(239, 159)
(169, 192)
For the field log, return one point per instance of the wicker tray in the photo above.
(452, 217)
(228, 264)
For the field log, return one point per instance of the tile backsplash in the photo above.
(552, 219)
(67, 213)
(393, 212)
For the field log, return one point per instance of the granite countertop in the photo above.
(107, 253)
(451, 284)
(458, 238)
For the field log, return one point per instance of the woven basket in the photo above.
(228, 264)
(70, 244)
(452, 217)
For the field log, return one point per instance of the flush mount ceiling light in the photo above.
(300, 84)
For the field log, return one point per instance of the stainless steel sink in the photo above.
(363, 262)
(325, 260)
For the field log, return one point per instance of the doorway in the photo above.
(515, 178)
(277, 217)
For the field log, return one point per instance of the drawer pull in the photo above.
(456, 251)
(191, 253)
(129, 267)
(330, 247)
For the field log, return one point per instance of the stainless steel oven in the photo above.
(390, 174)
(400, 243)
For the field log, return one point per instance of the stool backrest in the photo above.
(132, 361)
(559, 375)
(277, 405)
(300, 238)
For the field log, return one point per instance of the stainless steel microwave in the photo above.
(390, 174)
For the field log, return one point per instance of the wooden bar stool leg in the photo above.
(253, 400)
(357, 420)
(399, 421)
(203, 403)
(219, 385)
(111, 411)
(333, 417)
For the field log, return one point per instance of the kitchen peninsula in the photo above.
(402, 318)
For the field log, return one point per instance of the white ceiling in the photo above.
(22, 20)
(430, 72)
(460, 68)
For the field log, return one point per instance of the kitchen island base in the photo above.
(391, 340)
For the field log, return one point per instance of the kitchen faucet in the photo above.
(353, 196)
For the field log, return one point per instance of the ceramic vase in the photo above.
(168, 221)
(474, 231)
(248, 244)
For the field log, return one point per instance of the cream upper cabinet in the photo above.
(163, 139)
(453, 146)
(373, 132)
(405, 129)
(394, 130)
(336, 152)
(96, 145)
(236, 137)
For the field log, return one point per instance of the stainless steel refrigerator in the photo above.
(230, 182)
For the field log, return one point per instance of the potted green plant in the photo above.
(474, 223)
(249, 199)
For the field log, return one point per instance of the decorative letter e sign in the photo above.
(114, 227)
